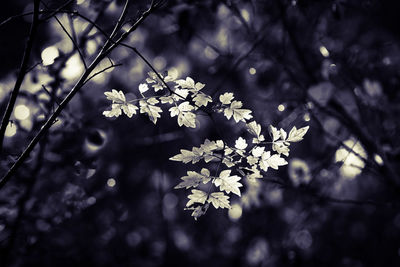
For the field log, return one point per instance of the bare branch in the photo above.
(21, 74)
(101, 55)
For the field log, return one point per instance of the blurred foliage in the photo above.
(99, 192)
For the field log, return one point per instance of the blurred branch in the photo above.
(340, 113)
(298, 51)
(21, 74)
(238, 61)
(236, 12)
(328, 199)
(105, 51)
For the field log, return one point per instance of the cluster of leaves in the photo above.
(247, 159)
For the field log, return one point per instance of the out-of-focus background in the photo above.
(99, 191)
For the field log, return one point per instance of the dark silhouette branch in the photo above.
(21, 74)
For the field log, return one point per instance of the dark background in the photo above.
(332, 65)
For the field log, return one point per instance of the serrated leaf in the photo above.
(114, 112)
(188, 83)
(219, 200)
(275, 134)
(180, 94)
(115, 96)
(237, 112)
(228, 183)
(296, 135)
(281, 147)
(273, 161)
(172, 76)
(193, 179)
(148, 108)
(167, 99)
(240, 143)
(257, 151)
(199, 210)
(158, 83)
(202, 99)
(254, 128)
(242, 115)
(197, 196)
(283, 134)
(187, 156)
(129, 109)
(119, 104)
(187, 119)
(226, 98)
(143, 87)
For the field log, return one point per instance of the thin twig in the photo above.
(101, 71)
(70, 37)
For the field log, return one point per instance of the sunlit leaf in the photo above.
(219, 200)
(228, 183)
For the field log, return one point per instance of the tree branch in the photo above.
(101, 55)
(21, 74)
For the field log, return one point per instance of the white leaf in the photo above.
(152, 111)
(129, 109)
(281, 148)
(274, 132)
(257, 151)
(202, 99)
(296, 135)
(193, 179)
(188, 83)
(219, 200)
(228, 183)
(143, 87)
(283, 134)
(167, 99)
(174, 111)
(242, 115)
(254, 128)
(115, 96)
(226, 98)
(240, 143)
(114, 112)
(273, 161)
(187, 119)
(197, 196)
(187, 156)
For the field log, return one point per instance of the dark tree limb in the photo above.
(21, 74)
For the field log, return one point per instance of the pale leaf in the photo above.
(228, 183)
(202, 99)
(254, 128)
(197, 196)
(219, 200)
(226, 98)
(193, 179)
(296, 135)
(240, 143)
(115, 96)
(274, 133)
